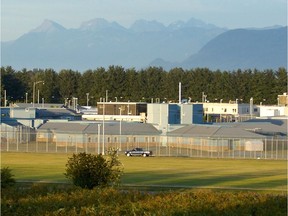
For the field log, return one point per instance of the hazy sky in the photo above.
(20, 16)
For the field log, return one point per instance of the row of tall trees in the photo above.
(142, 85)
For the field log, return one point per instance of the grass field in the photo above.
(162, 171)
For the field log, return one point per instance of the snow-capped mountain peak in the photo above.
(48, 26)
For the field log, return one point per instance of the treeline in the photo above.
(142, 85)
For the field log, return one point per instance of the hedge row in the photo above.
(44, 200)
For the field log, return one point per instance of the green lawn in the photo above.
(162, 171)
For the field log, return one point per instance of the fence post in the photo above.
(75, 145)
(27, 144)
(276, 149)
(47, 141)
(283, 150)
(36, 144)
(7, 141)
(265, 148)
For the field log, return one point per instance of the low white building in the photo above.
(228, 112)
(269, 111)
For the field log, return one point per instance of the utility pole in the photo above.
(34, 85)
(5, 98)
(103, 141)
(87, 94)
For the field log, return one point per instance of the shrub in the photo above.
(110, 201)
(7, 179)
(89, 171)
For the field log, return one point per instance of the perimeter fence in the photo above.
(274, 148)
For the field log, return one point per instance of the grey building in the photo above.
(96, 134)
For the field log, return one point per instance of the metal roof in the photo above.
(40, 105)
(63, 127)
(257, 130)
(111, 128)
(55, 112)
(11, 123)
(214, 132)
(267, 128)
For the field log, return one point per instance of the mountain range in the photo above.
(99, 43)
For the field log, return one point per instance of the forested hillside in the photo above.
(143, 85)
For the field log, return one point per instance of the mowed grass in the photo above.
(162, 171)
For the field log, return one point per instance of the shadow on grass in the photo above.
(207, 179)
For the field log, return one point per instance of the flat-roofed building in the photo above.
(124, 111)
(229, 112)
(122, 108)
(166, 114)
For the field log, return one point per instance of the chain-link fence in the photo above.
(200, 147)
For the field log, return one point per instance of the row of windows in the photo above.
(128, 139)
(223, 110)
(244, 110)
(95, 139)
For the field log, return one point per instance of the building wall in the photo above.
(127, 108)
(5, 113)
(19, 134)
(230, 111)
(272, 111)
(191, 113)
(283, 100)
(158, 114)
(172, 114)
(23, 113)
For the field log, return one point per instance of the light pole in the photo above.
(34, 85)
(251, 107)
(38, 92)
(103, 141)
(128, 109)
(5, 98)
(120, 142)
(99, 126)
(278, 101)
(87, 94)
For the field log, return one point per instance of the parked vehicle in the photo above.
(138, 152)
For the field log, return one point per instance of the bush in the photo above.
(7, 179)
(89, 171)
